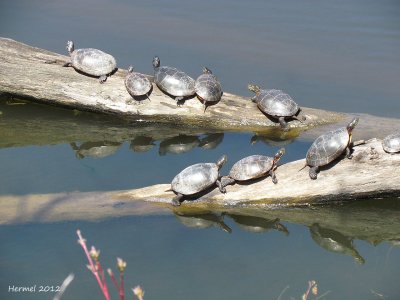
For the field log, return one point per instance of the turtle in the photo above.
(91, 61)
(391, 143)
(329, 146)
(197, 178)
(252, 167)
(276, 104)
(137, 84)
(208, 88)
(174, 82)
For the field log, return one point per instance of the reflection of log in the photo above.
(38, 74)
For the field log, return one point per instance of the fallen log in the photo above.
(372, 173)
(38, 75)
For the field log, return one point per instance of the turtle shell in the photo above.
(137, 84)
(174, 81)
(276, 103)
(391, 143)
(251, 167)
(195, 178)
(93, 61)
(208, 88)
(328, 147)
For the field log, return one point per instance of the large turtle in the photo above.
(252, 167)
(208, 88)
(173, 81)
(91, 61)
(391, 143)
(329, 146)
(137, 84)
(276, 104)
(197, 178)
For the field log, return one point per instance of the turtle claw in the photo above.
(313, 173)
(103, 78)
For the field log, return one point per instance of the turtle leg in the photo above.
(283, 123)
(179, 101)
(68, 64)
(273, 176)
(227, 181)
(103, 78)
(219, 185)
(349, 153)
(177, 200)
(314, 172)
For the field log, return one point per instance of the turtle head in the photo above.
(156, 62)
(352, 124)
(254, 88)
(130, 69)
(278, 155)
(70, 47)
(206, 70)
(222, 161)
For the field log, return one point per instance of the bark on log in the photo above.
(38, 75)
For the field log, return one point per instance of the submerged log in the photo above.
(38, 75)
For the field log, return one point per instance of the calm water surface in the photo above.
(338, 55)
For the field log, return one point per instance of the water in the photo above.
(338, 55)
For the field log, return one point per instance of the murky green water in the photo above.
(339, 55)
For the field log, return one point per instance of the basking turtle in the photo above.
(91, 61)
(252, 167)
(137, 84)
(197, 178)
(208, 88)
(276, 104)
(391, 143)
(334, 241)
(173, 81)
(329, 146)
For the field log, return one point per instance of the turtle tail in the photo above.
(302, 168)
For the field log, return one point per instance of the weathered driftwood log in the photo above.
(37, 74)
(371, 173)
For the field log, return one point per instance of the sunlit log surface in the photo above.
(38, 75)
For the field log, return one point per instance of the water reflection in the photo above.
(95, 149)
(333, 241)
(203, 221)
(276, 138)
(257, 224)
(185, 143)
(142, 144)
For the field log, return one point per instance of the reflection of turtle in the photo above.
(178, 144)
(391, 143)
(274, 139)
(257, 224)
(197, 178)
(252, 167)
(334, 241)
(142, 144)
(91, 61)
(329, 146)
(173, 81)
(202, 221)
(95, 149)
(211, 141)
(208, 88)
(275, 103)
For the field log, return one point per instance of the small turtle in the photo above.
(91, 61)
(329, 146)
(276, 104)
(197, 178)
(173, 81)
(137, 84)
(208, 88)
(391, 143)
(253, 167)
